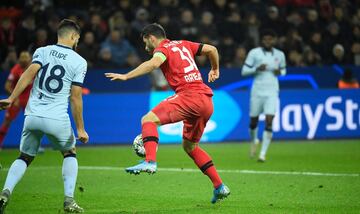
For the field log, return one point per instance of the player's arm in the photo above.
(8, 87)
(23, 82)
(282, 67)
(249, 67)
(76, 103)
(212, 54)
(142, 69)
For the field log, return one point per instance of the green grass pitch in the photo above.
(284, 184)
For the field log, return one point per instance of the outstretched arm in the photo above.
(23, 82)
(213, 55)
(143, 68)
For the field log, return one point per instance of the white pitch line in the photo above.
(110, 168)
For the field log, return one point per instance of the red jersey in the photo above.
(14, 77)
(180, 69)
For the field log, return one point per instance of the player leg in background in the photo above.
(16, 172)
(270, 104)
(254, 140)
(267, 136)
(150, 138)
(256, 108)
(10, 115)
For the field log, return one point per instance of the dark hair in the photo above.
(153, 29)
(268, 32)
(66, 26)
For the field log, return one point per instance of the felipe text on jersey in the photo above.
(58, 54)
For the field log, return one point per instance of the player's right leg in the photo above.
(16, 172)
(65, 142)
(256, 108)
(69, 172)
(254, 140)
(150, 138)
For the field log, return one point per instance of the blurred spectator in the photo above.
(311, 24)
(140, 21)
(10, 60)
(339, 56)
(208, 28)
(234, 26)
(347, 80)
(25, 33)
(240, 56)
(226, 49)
(105, 60)
(355, 49)
(220, 10)
(293, 41)
(256, 6)
(172, 28)
(294, 20)
(89, 49)
(252, 30)
(41, 39)
(122, 52)
(295, 58)
(118, 21)
(273, 21)
(310, 57)
(97, 26)
(188, 26)
(51, 28)
(317, 45)
(7, 36)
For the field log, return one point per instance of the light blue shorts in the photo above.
(59, 133)
(263, 104)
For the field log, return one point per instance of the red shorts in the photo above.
(15, 108)
(193, 109)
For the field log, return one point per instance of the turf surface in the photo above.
(104, 187)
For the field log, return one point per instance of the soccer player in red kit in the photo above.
(191, 104)
(14, 76)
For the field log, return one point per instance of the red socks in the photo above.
(204, 162)
(150, 138)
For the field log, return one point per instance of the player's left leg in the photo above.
(206, 165)
(192, 132)
(269, 110)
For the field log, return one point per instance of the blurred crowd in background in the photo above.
(310, 32)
